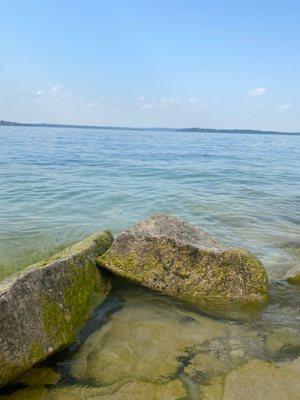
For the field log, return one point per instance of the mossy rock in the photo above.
(43, 307)
(293, 275)
(39, 376)
(167, 254)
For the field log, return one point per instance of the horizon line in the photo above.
(112, 127)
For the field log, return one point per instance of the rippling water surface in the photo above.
(58, 185)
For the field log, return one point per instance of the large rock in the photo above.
(293, 275)
(42, 308)
(166, 254)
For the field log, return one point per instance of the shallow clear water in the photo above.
(58, 185)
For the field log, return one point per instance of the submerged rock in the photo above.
(42, 308)
(39, 376)
(207, 364)
(144, 341)
(172, 390)
(293, 275)
(212, 390)
(222, 354)
(167, 254)
(283, 338)
(263, 381)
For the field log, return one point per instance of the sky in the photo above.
(158, 63)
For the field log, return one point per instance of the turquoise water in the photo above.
(59, 185)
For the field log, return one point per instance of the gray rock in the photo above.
(42, 308)
(167, 254)
(293, 275)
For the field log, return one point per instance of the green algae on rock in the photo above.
(167, 254)
(42, 308)
(293, 275)
(39, 376)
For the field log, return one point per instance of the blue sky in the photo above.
(177, 63)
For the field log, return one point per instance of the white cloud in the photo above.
(258, 92)
(93, 104)
(55, 89)
(261, 91)
(154, 103)
(142, 98)
(39, 93)
(193, 100)
(105, 101)
(283, 107)
(161, 102)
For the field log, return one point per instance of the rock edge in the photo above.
(43, 307)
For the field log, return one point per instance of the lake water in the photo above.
(58, 185)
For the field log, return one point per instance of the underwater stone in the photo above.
(172, 390)
(263, 380)
(206, 364)
(293, 275)
(145, 340)
(39, 376)
(169, 255)
(42, 308)
(281, 339)
(212, 390)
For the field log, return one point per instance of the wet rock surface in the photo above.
(149, 346)
(173, 390)
(263, 381)
(169, 255)
(293, 275)
(39, 376)
(144, 341)
(42, 308)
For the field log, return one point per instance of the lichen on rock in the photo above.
(167, 254)
(42, 308)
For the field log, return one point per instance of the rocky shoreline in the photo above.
(43, 307)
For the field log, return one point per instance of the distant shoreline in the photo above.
(200, 130)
